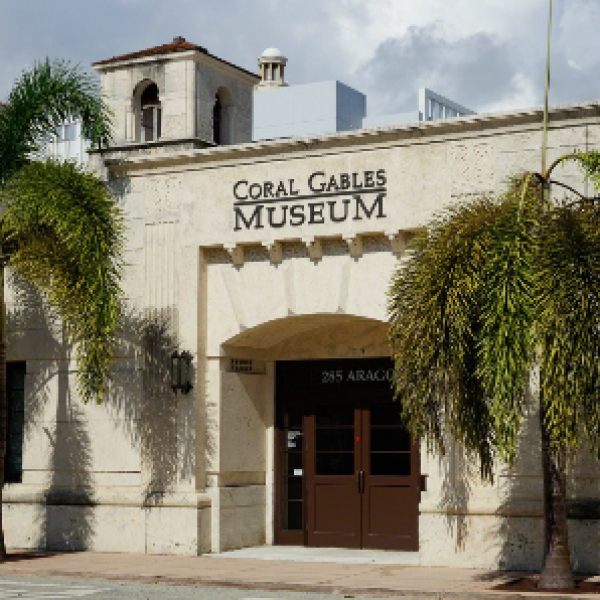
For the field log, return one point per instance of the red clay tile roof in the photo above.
(179, 44)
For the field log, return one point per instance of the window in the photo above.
(67, 132)
(150, 117)
(15, 387)
(71, 132)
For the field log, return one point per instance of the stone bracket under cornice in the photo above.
(275, 251)
(356, 244)
(314, 247)
(399, 240)
(236, 252)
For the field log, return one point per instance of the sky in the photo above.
(488, 55)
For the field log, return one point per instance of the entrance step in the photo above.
(324, 555)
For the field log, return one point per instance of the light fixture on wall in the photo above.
(181, 371)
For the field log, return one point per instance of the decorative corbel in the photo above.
(355, 245)
(237, 254)
(398, 240)
(315, 248)
(275, 251)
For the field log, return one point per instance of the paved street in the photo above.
(282, 573)
(37, 588)
(26, 587)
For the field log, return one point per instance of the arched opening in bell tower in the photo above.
(222, 117)
(147, 111)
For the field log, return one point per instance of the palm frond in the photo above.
(589, 162)
(41, 99)
(435, 329)
(67, 232)
(507, 310)
(568, 297)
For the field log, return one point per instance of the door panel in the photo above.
(336, 520)
(334, 504)
(389, 521)
(390, 503)
(347, 471)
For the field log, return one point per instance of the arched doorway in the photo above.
(346, 473)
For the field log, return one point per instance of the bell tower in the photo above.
(177, 92)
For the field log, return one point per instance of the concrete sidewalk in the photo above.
(352, 579)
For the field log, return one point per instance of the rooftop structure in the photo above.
(431, 107)
(281, 110)
(177, 91)
(308, 109)
(272, 64)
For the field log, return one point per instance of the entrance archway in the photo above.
(344, 471)
(315, 336)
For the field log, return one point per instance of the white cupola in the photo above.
(272, 64)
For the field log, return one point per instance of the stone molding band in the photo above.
(105, 498)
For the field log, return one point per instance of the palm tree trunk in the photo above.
(556, 572)
(3, 405)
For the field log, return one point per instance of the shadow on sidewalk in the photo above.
(27, 555)
(528, 585)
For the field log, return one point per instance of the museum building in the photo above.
(251, 401)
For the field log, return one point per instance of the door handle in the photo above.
(360, 476)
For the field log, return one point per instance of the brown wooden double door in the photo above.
(347, 470)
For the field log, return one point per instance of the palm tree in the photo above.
(495, 290)
(59, 227)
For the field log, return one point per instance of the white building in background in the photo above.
(281, 110)
(68, 143)
(431, 107)
(307, 109)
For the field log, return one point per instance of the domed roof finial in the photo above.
(272, 64)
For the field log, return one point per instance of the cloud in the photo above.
(474, 70)
(569, 84)
(487, 54)
(364, 24)
(576, 31)
(236, 30)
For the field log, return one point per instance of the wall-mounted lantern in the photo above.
(181, 371)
